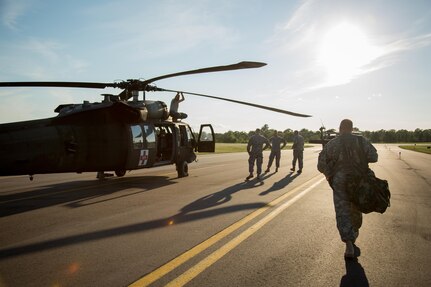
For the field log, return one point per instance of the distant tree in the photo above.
(241, 137)
(380, 136)
(426, 135)
(403, 136)
(390, 136)
(288, 135)
(366, 134)
(418, 135)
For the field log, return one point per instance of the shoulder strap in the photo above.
(336, 161)
(364, 160)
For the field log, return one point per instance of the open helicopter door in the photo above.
(206, 139)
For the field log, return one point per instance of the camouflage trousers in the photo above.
(298, 155)
(258, 158)
(349, 218)
(277, 155)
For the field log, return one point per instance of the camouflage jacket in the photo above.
(343, 154)
(298, 142)
(257, 143)
(277, 143)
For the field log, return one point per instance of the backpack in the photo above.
(368, 192)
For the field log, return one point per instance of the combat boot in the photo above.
(249, 176)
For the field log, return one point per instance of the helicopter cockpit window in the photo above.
(138, 139)
(190, 135)
(185, 136)
(150, 136)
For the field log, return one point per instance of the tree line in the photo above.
(380, 136)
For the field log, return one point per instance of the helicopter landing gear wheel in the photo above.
(120, 172)
(182, 169)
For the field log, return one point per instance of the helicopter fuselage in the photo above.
(111, 136)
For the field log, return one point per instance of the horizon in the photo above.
(328, 129)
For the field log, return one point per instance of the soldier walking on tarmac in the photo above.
(337, 161)
(256, 144)
(276, 148)
(298, 151)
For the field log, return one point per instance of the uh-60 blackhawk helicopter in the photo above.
(119, 134)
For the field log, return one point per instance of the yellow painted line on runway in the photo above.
(186, 277)
(218, 254)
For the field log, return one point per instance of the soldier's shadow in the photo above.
(280, 184)
(220, 197)
(355, 275)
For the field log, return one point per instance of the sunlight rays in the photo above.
(344, 53)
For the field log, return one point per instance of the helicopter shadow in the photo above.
(199, 209)
(280, 184)
(78, 193)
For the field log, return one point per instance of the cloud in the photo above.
(44, 48)
(170, 27)
(11, 10)
(412, 43)
(38, 59)
(296, 23)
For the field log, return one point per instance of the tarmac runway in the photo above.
(212, 228)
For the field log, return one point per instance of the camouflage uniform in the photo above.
(255, 148)
(298, 151)
(338, 170)
(276, 147)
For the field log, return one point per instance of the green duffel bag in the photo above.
(369, 193)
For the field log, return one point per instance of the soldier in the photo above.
(275, 141)
(173, 109)
(255, 147)
(298, 151)
(337, 161)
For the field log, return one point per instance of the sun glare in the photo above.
(343, 53)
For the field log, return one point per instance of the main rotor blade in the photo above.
(143, 85)
(58, 84)
(240, 102)
(240, 65)
(132, 84)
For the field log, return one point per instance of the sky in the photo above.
(367, 60)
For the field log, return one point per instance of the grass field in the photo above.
(230, 147)
(419, 148)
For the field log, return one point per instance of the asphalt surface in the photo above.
(151, 228)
